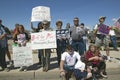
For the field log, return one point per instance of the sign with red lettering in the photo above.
(104, 29)
(43, 40)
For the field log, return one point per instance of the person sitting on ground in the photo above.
(68, 61)
(97, 61)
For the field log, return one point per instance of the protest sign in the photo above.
(104, 29)
(22, 56)
(43, 40)
(63, 33)
(117, 24)
(40, 13)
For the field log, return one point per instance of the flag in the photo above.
(117, 24)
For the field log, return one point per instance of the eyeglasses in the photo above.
(44, 24)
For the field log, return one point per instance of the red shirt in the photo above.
(90, 54)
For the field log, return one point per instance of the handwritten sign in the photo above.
(104, 29)
(22, 56)
(41, 13)
(43, 40)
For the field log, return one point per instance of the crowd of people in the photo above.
(74, 52)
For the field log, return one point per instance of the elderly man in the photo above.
(76, 33)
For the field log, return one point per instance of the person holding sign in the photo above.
(45, 53)
(38, 29)
(21, 39)
(61, 40)
(101, 32)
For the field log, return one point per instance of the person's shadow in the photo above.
(35, 66)
(53, 65)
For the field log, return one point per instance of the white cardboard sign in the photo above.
(22, 56)
(40, 13)
(43, 40)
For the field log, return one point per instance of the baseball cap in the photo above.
(102, 17)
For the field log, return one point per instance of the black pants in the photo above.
(61, 46)
(2, 58)
(45, 58)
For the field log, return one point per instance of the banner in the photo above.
(22, 56)
(117, 24)
(43, 40)
(104, 29)
(63, 33)
(40, 13)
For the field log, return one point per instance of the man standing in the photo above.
(76, 33)
(101, 38)
(113, 38)
(3, 45)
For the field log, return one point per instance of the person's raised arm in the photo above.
(31, 24)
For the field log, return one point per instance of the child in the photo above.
(21, 39)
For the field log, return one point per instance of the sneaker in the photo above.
(6, 69)
(25, 70)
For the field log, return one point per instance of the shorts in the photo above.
(102, 42)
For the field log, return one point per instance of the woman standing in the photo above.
(21, 39)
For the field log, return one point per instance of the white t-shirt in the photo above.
(96, 27)
(112, 33)
(70, 59)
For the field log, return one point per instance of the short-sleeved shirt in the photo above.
(3, 42)
(70, 60)
(20, 38)
(76, 32)
(89, 54)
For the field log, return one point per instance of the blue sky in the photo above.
(88, 11)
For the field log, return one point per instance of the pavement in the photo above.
(35, 72)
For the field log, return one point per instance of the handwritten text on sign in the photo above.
(104, 29)
(43, 40)
(41, 13)
(22, 56)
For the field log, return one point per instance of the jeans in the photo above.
(78, 46)
(68, 68)
(113, 40)
(2, 58)
(45, 58)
